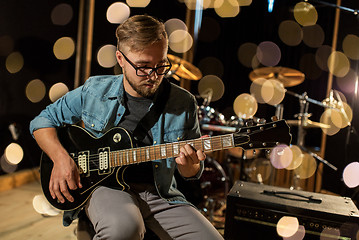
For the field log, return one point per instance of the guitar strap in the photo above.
(151, 117)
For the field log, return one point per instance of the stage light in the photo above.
(270, 5)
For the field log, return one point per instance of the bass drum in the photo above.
(214, 181)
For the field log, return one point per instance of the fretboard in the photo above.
(169, 150)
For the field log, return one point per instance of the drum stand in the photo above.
(303, 116)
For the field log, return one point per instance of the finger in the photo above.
(51, 189)
(201, 155)
(58, 195)
(72, 184)
(191, 153)
(181, 159)
(78, 181)
(65, 191)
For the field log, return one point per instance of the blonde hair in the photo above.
(140, 31)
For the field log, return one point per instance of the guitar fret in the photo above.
(163, 151)
(134, 155)
(169, 150)
(175, 147)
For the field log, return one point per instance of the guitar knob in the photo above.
(274, 118)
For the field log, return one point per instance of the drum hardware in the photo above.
(303, 122)
(214, 185)
(287, 76)
(183, 69)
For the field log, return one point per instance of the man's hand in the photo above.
(64, 176)
(188, 161)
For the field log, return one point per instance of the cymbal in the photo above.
(308, 124)
(289, 77)
(183, 69)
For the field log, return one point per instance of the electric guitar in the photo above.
(104, 160)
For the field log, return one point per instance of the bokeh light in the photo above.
(6, 166)
(117, 12)
(106, 56)
(256, 89)
(226, 8)
(305, 14)
(174, 24)
(197, 5)
(326, 118)
(260, 170)
(321, 56)
(290, 32)
(6, 45)
(313, 36)
(14, 62)
(138, 3)
(297, 157)
(245, 106)
(211, 86)
(13, 153)
(347, 83)
(307, 168)
(350, 46)
(338, 64)
(268, 53)
(281, 156)
(246, 53)
(57, 91)
(211, 66)
(342, 116)
(244, 2)
(287, 226)
(35, 90)
(43, 207)
(61, 14)
(350, 175)
(180, 41)
(299, 235)
(273, 92)
(64, 48)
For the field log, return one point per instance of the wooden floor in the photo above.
(19, 220)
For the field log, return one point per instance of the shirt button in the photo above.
(92, 125)
(154, 142)
(156, 166)
(178, 138)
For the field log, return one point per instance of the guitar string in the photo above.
(93, 158)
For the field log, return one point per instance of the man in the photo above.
(104, 102)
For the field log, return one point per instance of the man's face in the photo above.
(152, 56)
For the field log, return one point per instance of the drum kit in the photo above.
(250, 165)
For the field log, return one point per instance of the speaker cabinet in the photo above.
(253, 211)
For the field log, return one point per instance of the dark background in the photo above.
(29, 25)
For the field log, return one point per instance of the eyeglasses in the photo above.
(147, 71)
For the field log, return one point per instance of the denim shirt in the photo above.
(99, 104)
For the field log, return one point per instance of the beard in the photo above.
(141, 88)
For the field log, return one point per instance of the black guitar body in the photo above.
(102, 161)
(79, 142)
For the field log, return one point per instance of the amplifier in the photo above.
(253, 211)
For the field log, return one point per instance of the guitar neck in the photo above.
(169, 150)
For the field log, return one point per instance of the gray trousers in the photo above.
(119, 215)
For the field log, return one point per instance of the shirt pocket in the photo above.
(174, 135)
(92, 122)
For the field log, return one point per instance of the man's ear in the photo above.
(120, 59)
